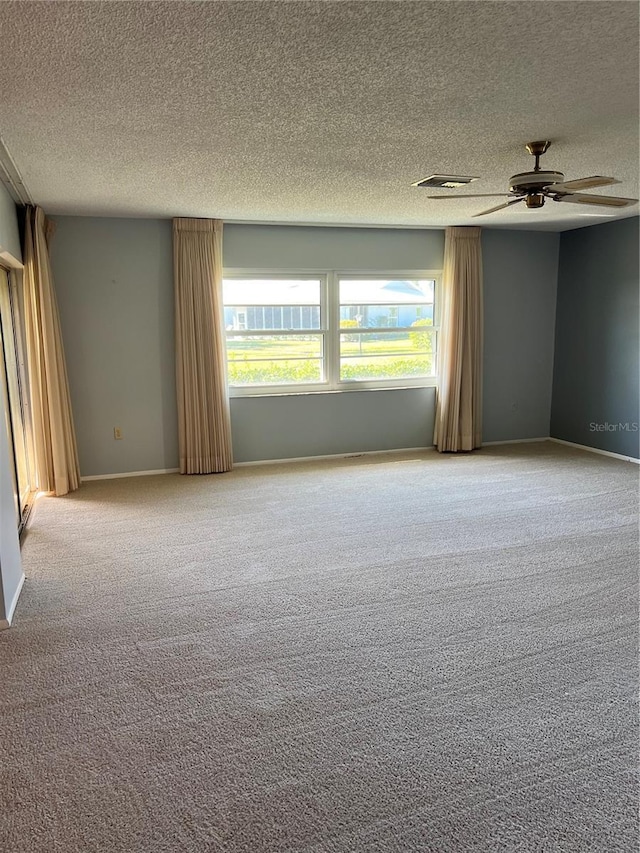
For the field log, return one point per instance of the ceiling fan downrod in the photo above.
(538, 149)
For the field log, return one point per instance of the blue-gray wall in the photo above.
(114, 284)
(295, 247)
(289, 427)
(520, 276)
(595, 383)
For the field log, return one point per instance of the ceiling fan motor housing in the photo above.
(533, 182)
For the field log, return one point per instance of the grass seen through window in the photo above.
(286, 360)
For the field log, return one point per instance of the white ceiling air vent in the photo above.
(449, 182)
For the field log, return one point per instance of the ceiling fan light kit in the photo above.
(534, 200)
(535, 187)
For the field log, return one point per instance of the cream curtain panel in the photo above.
(204, 424)
(54, 441)
(458, 423)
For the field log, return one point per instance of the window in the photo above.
(393, 336)
(275, 333)
(329, 331)
(13, 390)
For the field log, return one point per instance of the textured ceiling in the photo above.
(320, 112)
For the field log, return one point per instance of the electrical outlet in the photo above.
(117, 433)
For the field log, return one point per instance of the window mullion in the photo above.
(333, 330)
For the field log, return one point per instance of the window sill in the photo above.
(307, 392)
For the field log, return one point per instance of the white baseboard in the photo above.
(362, 453)
(6, 623)
(620, 456)
(377, 452)
(331, 456)
(515, 441)
(129, 474)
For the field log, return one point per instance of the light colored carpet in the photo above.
(382, 654)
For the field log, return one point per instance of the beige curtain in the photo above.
(459, 398)
(54, 440)
(204, 425)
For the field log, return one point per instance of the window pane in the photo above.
(385, 303)
(271, 303)
(360, 291)
(383, 316)
(384, 355)
(271, 291)
(271, 317)
(274, 359)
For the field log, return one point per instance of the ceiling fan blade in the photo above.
(582, 184)
(466, 195)
(499, 207)
(604, 200)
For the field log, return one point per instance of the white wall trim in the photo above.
(10, 261)
(11, 177)
(129, 474)
(332, 456)
(597, 450)
(515, 441)
(6, 623)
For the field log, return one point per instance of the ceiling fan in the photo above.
(535, 187)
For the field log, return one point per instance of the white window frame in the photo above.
(330, 330)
